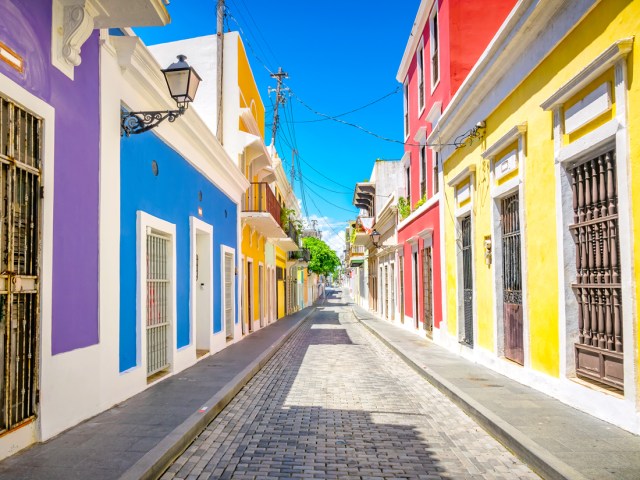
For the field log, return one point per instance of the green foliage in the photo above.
(287, 218)
(404, 208)
(420, 202)
(324, 261)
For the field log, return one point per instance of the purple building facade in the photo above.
(50, 134)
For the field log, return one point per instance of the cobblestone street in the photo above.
(336, 403)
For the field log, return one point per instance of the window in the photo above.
(423, 171)
(435, 61)
(436, 186)
(408, 180)
(420, 64)
(406, 109)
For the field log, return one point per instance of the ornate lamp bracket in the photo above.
(140, 122)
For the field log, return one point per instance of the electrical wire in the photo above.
(398, 89)
(257, 28)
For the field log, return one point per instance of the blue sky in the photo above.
(340, 55)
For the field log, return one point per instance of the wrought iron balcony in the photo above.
(262, 211)
(303, 255)
(292, 232)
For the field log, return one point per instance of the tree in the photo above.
(324, 261)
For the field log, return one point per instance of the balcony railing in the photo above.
(304, 254)
(260, 198)
(292, 232)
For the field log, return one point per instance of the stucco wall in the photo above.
(25, 27)
(173, 196)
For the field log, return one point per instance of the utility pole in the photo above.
(219, 65)
(279, 76)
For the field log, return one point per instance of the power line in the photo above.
(398, 89)
(257, 28)
(330, 203)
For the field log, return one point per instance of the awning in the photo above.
(356, 262)
(366, 223)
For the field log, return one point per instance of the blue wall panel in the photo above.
(173, 196)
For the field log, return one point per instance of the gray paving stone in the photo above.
(334, 402)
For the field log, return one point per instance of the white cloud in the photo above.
(332, 232)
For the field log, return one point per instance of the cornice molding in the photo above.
(414, 38)
(599, 65)
(145, 71)
(526, 25)
(504, 141)
(462, 175)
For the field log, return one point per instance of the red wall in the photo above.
(470, 37)
(428, 220)
(466, 28)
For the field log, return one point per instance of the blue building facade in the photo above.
(174, 191)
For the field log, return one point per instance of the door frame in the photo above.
(504, 161)
(147, 222)
(248, 274)
(46, 378)
(198, 227)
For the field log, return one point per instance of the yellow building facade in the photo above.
(540, 159)
(252, 162)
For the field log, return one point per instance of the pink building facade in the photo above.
(446, 40)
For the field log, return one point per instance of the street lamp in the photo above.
(183, 82)
(375, 238)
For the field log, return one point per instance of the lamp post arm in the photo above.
(140, 122)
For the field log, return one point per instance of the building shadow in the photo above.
(294, 435)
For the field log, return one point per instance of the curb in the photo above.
(540, 460)
(154, 463)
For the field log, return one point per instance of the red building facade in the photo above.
(447, 38)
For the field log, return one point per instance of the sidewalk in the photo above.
(555, 440)
(140, 437)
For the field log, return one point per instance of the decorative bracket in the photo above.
(73, 23)
(140, 122)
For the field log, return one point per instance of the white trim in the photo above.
(53, 380)
(588, 74)
(197, 226)
(406, 159)
(613, 134)
(261, 294)
(434, 15)
(420, 74)
(141, 86)
(249, 304)
(460, 215)
(146, 223)
(589, 143)
(434, 113)
(419, 211)
(504, 141)
(588, 108)
(497, 194)
(509, 58)
(224, 249)
(462, 175)
(421, 135)
(422, 172)
(416, 33)
(406, 119)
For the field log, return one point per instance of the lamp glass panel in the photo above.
(194, 81)
(178, 81)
